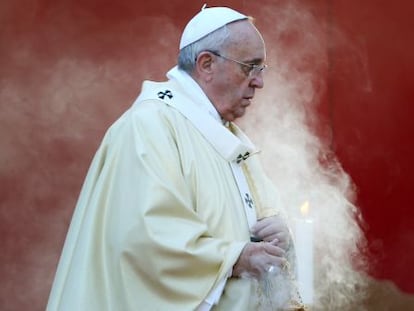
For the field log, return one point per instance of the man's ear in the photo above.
(204, 65)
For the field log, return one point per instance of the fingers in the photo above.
(267, 233)
(276, 257)
(273, 249)
(282, 243)
(256, 258)
(271, 229)
(269, 226)
(275, 270)
(263, 223)
(283, 240)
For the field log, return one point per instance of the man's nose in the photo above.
(257, 81)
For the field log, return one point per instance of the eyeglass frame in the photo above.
(254, 70)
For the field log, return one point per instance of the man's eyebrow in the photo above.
(255, 61)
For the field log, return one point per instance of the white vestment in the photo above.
(160, 220)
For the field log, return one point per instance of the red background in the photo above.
(70, 68)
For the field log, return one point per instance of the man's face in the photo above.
(233, 87)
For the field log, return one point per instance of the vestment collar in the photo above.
(185, 95)
(194, 90)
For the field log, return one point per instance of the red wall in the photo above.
(69, 68)
(372, 99)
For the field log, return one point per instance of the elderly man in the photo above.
(175, 212)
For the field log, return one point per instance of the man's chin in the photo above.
(240, 113)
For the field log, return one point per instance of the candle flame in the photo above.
(304, 209)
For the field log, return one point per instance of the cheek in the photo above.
(231, 91)
(236, 88)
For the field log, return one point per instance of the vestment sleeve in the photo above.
(163, 248)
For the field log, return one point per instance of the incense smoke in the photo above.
(297, 155)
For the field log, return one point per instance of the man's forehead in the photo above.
(247, 42)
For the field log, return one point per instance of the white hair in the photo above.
(214, 41)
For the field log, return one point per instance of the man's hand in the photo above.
(256, 258)
(272, 229)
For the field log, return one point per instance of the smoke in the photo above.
(297, 153)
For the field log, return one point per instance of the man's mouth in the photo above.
(248, 100)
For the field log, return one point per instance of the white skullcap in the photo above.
(206, 21)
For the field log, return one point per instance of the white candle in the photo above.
(304, 254)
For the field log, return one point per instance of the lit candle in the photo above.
(304, 254)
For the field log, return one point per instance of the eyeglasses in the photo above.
(251, 70)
